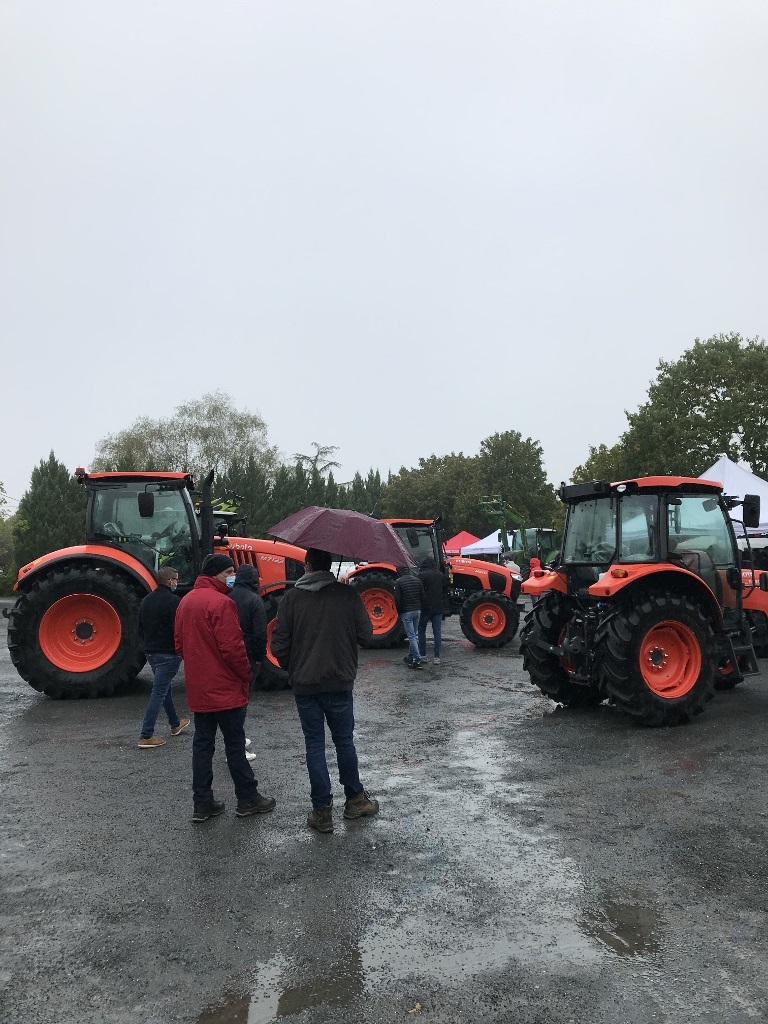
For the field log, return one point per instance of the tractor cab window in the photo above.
(639, 517)
(699, 539)
(162, 539)
(419, 540)
(591, 534)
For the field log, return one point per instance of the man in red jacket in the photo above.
(218, 674)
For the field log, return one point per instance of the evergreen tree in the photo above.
(51, 514)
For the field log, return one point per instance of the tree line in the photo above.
(708, 403)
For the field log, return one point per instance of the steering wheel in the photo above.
(603, 553)
(111, 529)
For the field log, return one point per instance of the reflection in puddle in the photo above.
(628, 929)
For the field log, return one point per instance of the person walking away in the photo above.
(218, 676)
(317, 631)
(157, 614)
(409, 600)
(253, 620)
(435, 586)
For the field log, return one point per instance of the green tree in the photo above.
(51, 514)
(512, 467)
(321, 460)
(204, 434)
(441, 485)
(707, 403)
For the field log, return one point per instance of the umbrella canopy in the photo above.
(343, 532)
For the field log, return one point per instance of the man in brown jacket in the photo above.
(319, 625)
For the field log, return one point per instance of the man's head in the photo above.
(218, 567)
(317, 560)
(167, 576)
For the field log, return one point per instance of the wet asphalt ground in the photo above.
(530, 864)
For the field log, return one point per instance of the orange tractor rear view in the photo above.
(484, 594)
(648, 606)
(73, 631)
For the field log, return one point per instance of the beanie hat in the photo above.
(214, 564)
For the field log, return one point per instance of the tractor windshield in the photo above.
(590, 537)
(419, 540)
(161, 537)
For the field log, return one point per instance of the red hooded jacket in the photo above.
(209, 639)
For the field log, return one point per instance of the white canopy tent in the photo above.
(490, 545)
(738, 481)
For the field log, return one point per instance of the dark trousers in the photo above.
(232, 725)
(337, 710)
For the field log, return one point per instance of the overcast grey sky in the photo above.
(395, 227)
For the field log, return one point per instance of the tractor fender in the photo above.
(544, 580)
(633, 576)
(369, 567)
(95, 553)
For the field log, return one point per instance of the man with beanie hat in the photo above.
(218, 675)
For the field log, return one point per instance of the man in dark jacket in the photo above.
(252, 614)
(218, 675)
(409, 600)
(319, 626)
(435, 586)
(157, 613)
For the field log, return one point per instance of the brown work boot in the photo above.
(360, 806)
(183, 723)
(147, 742)
(321, 820)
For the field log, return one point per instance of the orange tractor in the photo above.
(73, 631)
(484, 594)
(647, 606)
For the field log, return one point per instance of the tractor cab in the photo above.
(149, 517)
(421, 538)
(651, 525)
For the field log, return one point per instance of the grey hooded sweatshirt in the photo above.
(318, 628)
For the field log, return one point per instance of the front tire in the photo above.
(657, 659)
(74, 632)
(489, 619)
(377, 591)
(547, 624)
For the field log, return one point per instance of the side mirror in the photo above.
(146, 504)
(763, 584)
(733, 576)
(751, 510)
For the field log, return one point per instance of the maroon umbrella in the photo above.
(351, 534)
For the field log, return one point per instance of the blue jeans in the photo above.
(437, 632)
(232, 725)
(410, 621)
(164, 668)
(337, 710)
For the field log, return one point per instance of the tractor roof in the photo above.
(598, 488)
(409, 522)
(132, 477)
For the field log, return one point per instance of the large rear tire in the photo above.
(377, 591)
(657, 659)
(272, 676)
(489, 619)
(547, 623)
(73, 632)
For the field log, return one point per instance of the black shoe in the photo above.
(407, 660)
(259, 805)
(322, 819)
(211, 810)
(416, 664)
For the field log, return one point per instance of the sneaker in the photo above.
(259, 805)
(435, 661)
(184, 722)
(247, 743)
(321, 820)
(147, 742)
(360, 806)
(416, 664)
(211, 810)
(407, 660)
(249, 756)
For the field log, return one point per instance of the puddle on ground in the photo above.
(629, 929)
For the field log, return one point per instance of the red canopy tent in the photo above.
(461, 540)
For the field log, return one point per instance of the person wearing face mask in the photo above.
(157, 615)
(218, 676)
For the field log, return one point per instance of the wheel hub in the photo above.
(84, 632)
(657, 658)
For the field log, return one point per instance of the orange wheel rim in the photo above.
(80, 633)
(380, 605)
(270, 630)
(488, 620)
(670, 659)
